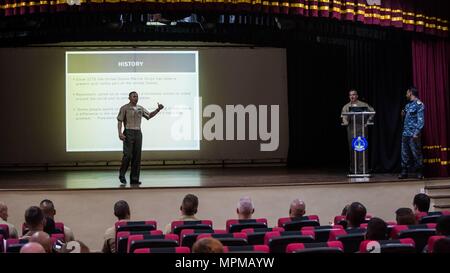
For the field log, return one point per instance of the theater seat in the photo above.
(277, 241)
(327, 247)
(432, 217)
(135, 225)
(431, 241)
(14, 245)
(2, 243)
(255, 236)
(296, 223)
(178, 226)
(246, 249)
(151, 241)
(236, 225)
(419, 233)
(406, 245)
(4, 231)
(227, 239)
(189, 236)
(122, 238)
(322, 233)
(178, 249)
(350, 238)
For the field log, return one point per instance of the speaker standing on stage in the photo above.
(412, 127)
(348, 122)
(131, 115)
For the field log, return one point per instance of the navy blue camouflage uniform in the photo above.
(412, 127)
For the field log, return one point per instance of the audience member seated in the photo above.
(74, 247)
(377, 230)
(207, 245)
(43, 239)
(34, 221)
(443, 226)
(3, 221)
(122, 212)
(297, 208)
(442, 246)
(405, 216)
(245, 208)
(421, 204)
(356, 215)
(188, 209)
(48, 208)
(32, 248)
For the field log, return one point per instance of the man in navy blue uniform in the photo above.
(412, 127)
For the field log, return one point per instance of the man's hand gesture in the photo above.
(160, 106)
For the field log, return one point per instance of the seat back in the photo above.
(255, 236)
(327, 247)
(151, 241)
(227, 239)
(4, 231)
(14, 245)
(246, 249)
(420, 237)
(189, 236)
(122, 238)
(236, 225)
(178, 249)
(350, 238)
(296, 223)
(322, 233)
(135, 225)
(406, 245)
(432, 240)
(277, 241)
(178, 226)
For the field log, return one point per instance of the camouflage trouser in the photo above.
(411, 150)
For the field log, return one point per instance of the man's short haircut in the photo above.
(353, 90)
(131, 93)
(405, 216)
(34, 217)
(422, 202)
(245, 205)
(442, 246)
(121, 209)
(443, 225)
(356, 214)
(377, 229)
(414, 91)
(190, 204)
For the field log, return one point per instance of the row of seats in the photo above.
(14, 245)
(276, 238)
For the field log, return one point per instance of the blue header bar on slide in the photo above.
(131, 61)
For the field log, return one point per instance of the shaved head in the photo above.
(32, 248)
(297, 208)
(43, 239)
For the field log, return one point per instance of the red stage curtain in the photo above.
(431, 76)
(410, 15)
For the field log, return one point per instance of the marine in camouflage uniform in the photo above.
(348, 121)
(412, 127)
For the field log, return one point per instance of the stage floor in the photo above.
(181, 178)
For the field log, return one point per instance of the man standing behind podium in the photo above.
(412, 127)
(130, 115)
(348, 121)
